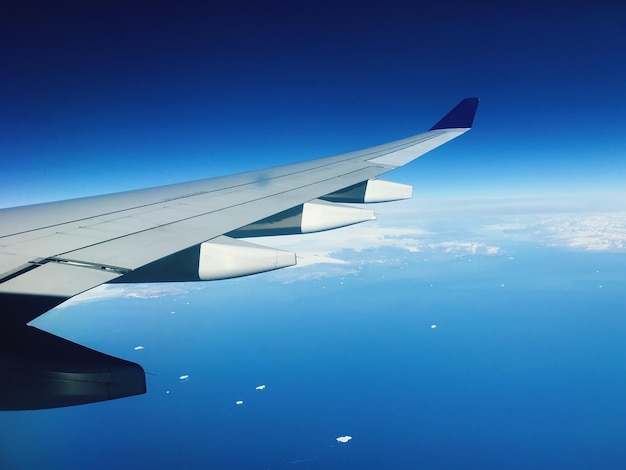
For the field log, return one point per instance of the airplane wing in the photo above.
(182, 232)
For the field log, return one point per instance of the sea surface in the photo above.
(511, 361)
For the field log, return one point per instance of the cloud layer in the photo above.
(436, 230)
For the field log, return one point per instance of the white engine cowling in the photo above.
(224, 258)
(314, 216)
(372, 191)
(318, 216)
(220, 258)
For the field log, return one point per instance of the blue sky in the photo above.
(118, 96)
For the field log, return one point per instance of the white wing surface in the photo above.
(189, 231)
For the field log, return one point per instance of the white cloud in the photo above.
(581, 221)
(152, 291)
(309, 258)
(464, 248)
(596, 232)
(603, 232)
(344, 247)
(131, 291)
(446, 228)
(322, 247)
(102, 292)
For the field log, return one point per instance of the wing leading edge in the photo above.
(52, 252)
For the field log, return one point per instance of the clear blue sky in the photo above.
(120, 95)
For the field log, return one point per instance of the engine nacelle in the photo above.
(314, 216)
(220, 258)
(224, 258)
(372, 191)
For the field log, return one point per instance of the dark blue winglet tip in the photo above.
(461, 116)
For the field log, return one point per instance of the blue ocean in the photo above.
(513, 361)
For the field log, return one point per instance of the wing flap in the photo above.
(54, 278)
(39, 370)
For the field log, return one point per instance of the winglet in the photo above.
(461, 117)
